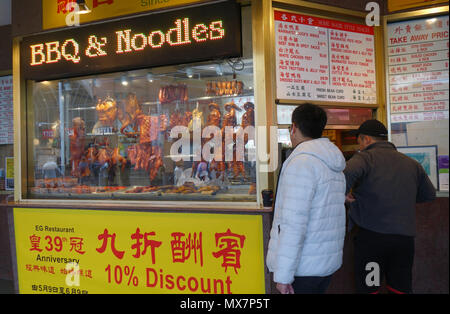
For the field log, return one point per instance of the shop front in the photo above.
(139, 172)
(143, 143)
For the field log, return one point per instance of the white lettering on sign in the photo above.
(177, 36)
(96, 45)
(51, 52)
(74, 57)
(177, 30)
(126, 42)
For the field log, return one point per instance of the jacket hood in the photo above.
(324, 150)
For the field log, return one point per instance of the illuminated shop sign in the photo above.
(160, 39)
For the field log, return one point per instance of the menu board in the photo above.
(324, 60)
(418, 70)
(6, 110)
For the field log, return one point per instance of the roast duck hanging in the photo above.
(172, 93)
(146, 155)
(214, 119)
(229, 120)
(107, 112)
(77, 142)
(224, 88)
(101, 152)
(248, 118)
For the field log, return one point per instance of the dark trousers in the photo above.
(311, 285)
(380, 255)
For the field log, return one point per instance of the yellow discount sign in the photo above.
(90, 251)
(57, 13)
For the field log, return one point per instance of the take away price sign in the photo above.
(88, 251)
(174, 37)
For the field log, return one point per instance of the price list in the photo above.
(6, 110)
(418, 70)
(324, 60)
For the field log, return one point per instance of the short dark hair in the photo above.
(310, 119)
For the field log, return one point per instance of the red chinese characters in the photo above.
(105, 236)
(230, 245)
(62, 6)
(35, 243)
(76, 244)
(182, 247)
(153, 244)
(96, 3)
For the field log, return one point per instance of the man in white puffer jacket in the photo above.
(308, 230)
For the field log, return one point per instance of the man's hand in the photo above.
(285, 288)
(349, 198)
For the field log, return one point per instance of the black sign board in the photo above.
(195, 34)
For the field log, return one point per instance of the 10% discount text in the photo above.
(118, 274)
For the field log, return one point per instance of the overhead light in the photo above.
(82, 7)
(124, 80)
(219, 69)
(189, 72)
(150, 77)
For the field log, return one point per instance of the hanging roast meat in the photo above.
(173, 93)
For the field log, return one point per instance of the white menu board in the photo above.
(418, 70)
(324, 60)
(6, 110)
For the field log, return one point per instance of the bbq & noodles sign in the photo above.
(159, 39)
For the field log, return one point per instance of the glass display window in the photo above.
(183, 132)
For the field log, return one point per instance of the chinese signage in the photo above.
(161, 39)
(6, 110)
(55, 12)
(87, 251)
(324, 60)
(418, 70)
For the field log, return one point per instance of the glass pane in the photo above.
(138, 135)
(419, 93)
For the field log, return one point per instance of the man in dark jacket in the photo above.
(385, 186)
